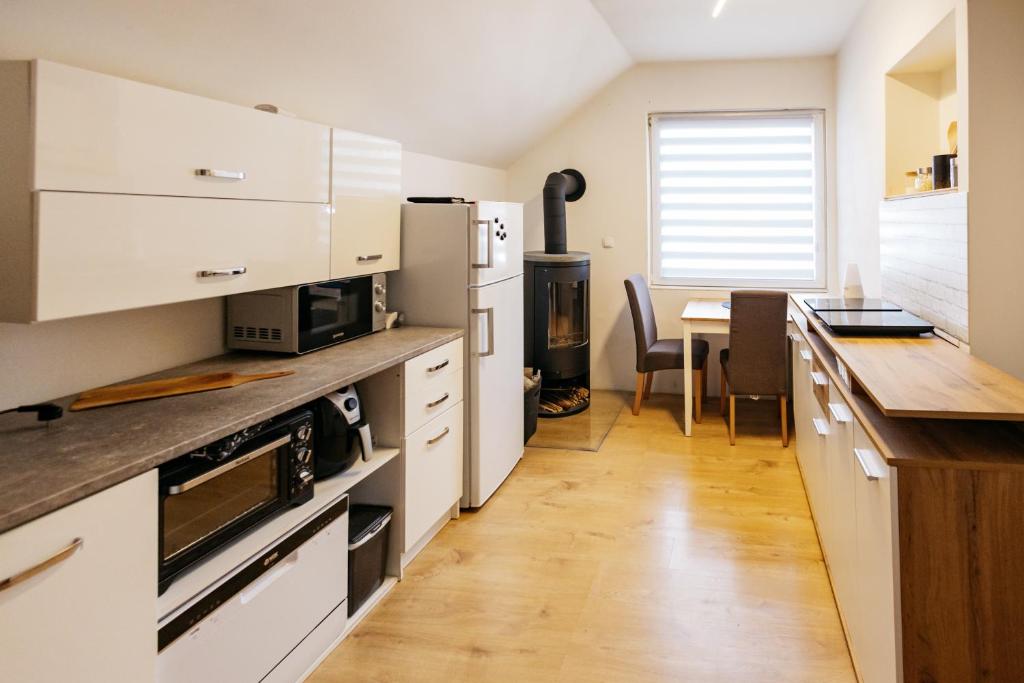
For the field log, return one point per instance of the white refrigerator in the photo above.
(462, 266)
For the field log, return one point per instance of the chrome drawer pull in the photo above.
(805, 354)
(222, 272)
(820, 426)
(54, 559)
(367, 259)
(869, 471)
(431, 442)
(434, 404)
(819, 378)
(215, 173)
(839, 412)
(440, 366)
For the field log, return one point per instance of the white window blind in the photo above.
(738, 199)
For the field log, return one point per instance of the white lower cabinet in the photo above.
(90, 615)
(852, 494)
(433, 473)
(876, 617)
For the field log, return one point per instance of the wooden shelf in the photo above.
(915, 195)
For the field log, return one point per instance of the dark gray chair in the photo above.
(653, 354)
(755, 363)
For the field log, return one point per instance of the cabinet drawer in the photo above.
(98, 133)
(424, 372)
(428, 399)
(433, 472)
(89, 616)
(98, 253)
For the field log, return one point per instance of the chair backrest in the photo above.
(645, 329)
(757, 343)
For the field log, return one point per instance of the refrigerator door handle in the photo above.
(490, 244)
(489, 312)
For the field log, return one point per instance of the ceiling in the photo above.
(471, 80)
(677, 30)
(476, 81)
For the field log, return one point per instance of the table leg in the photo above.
(687, 378)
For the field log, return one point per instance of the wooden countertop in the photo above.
(924, 376)
(903, 442)
(45, 467)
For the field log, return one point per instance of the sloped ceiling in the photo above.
(476, 81)
(681, 30)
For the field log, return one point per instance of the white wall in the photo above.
(882, 35)
(995, 31)
(427, 176)
(606, 139)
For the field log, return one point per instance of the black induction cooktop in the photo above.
(874, 323)
(851, 305)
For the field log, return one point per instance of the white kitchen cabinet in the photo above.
(98, 253)
(98, 133)
(433, 473)
(366, 188)
(875, 613)
(841, 526)
(91, 615)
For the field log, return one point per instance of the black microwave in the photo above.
(304, 318)
(211, 496)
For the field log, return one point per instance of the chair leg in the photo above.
(648, 381)
(784, 414)
(640, 378)
(698, 392)
(704, 380)
(722, 395)
(732, 420)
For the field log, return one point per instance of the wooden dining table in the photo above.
(707, 316)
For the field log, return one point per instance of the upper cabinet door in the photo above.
(98, 133)
(366, 194)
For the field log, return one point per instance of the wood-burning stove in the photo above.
(556, 306)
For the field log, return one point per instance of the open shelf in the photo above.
(921, 101)
(913, 195)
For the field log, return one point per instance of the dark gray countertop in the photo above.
(43, 468)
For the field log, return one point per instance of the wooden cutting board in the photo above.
(172, 386)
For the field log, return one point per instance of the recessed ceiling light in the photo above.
(718, 9)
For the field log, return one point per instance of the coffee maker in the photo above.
(342, 432)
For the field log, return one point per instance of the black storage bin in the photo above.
(368, 529)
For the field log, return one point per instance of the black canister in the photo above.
(940, 170)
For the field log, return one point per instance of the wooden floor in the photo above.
(657, 558)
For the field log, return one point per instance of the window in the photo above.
(738, 199)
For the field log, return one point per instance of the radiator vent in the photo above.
(264, 334)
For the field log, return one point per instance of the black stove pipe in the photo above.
(566, 186)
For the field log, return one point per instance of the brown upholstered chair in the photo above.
(755, 363)
(653, 354)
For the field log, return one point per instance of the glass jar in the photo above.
(910, 182)
(923, 183)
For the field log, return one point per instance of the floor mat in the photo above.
(584, 431)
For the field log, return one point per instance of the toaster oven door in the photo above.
(331, 312)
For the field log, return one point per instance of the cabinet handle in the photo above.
(870, 473)
(819, 378)
(490, 245)
(54, 559)
(839, 412)
(367, 259)
(805, 354)
(431, 442)
(439, 366)
(820, 426)
(222, 272)
(489, 312)
(216, 173)
(434, 404)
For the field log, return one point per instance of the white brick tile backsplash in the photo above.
(924, 258)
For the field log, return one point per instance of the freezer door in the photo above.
(496, 242)
(496, 387)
